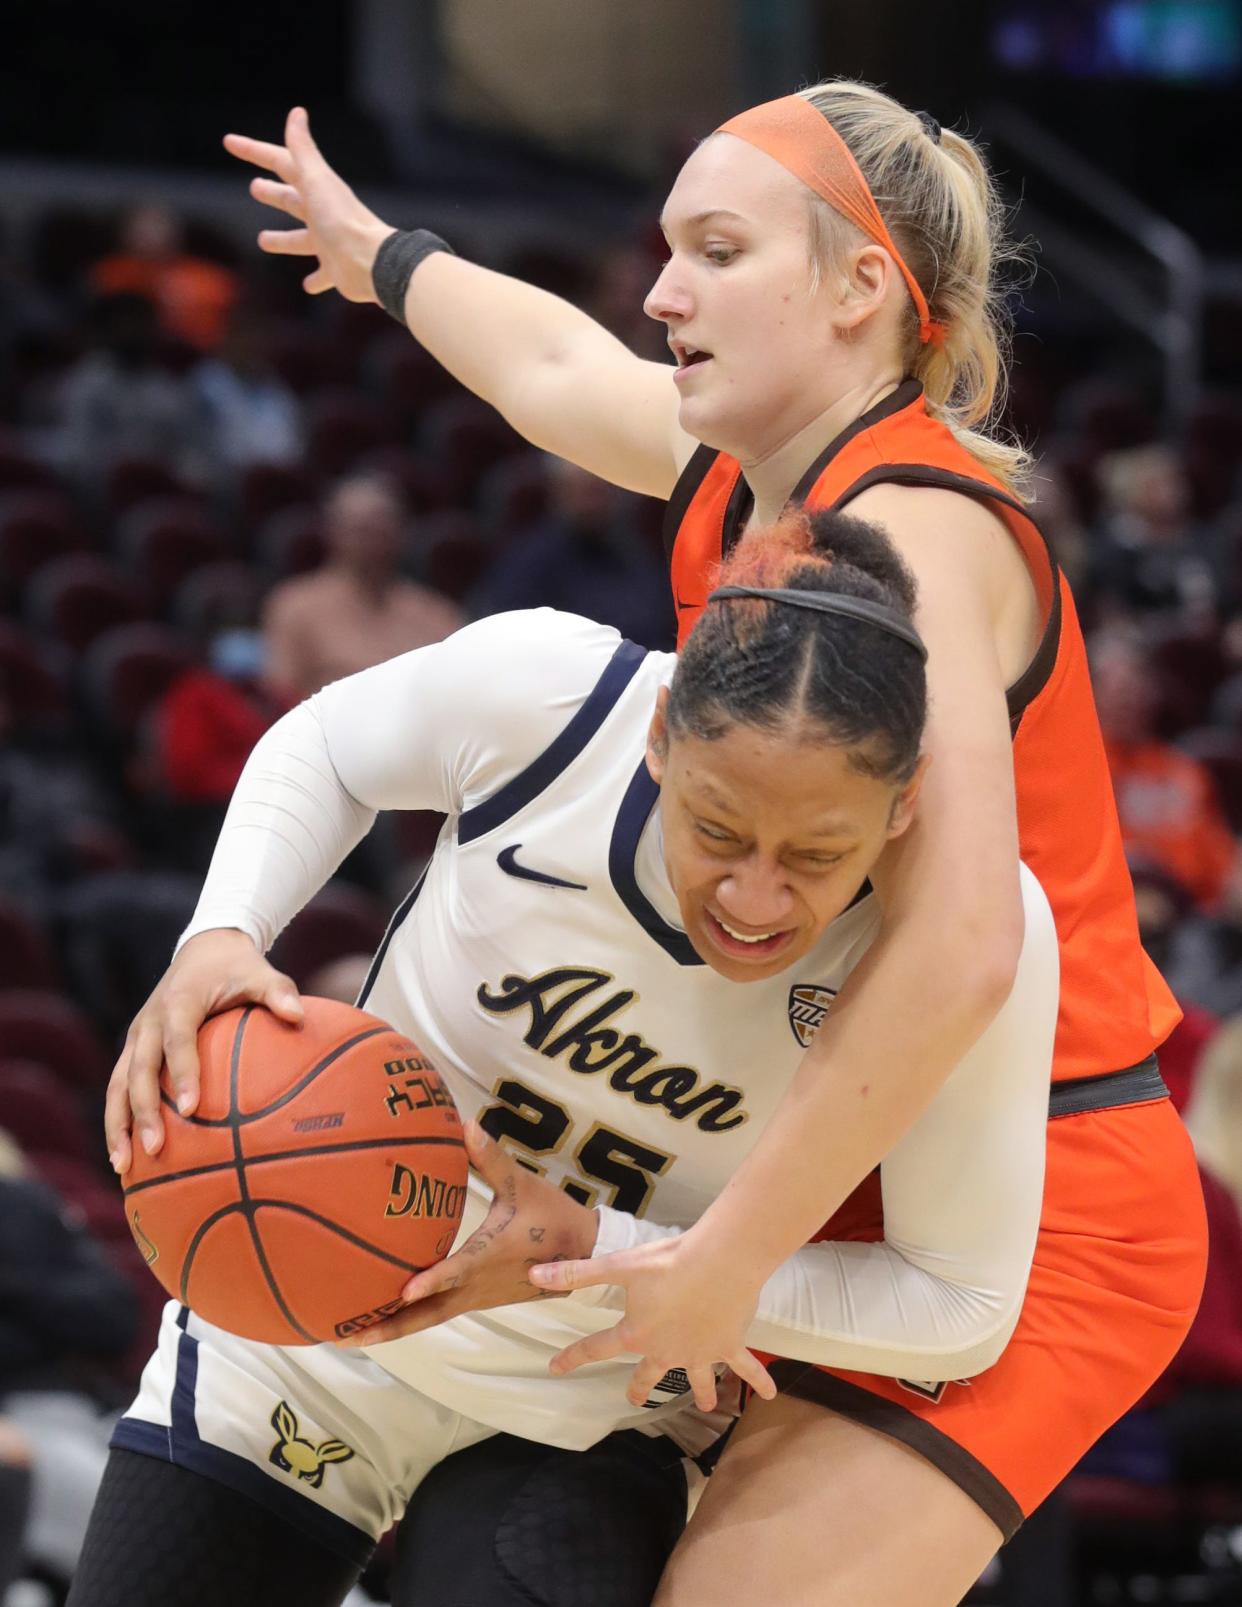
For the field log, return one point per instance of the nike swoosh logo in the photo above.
(507, 860)
(681, 606)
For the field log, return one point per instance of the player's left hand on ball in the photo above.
(683, 1309)
(530, 1221)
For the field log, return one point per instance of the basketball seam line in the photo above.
(290, 1093)
(283, 1155)
(248, 1209)
(263, 1203)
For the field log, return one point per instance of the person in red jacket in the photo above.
(201, 735)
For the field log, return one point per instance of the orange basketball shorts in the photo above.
(1118, 1270)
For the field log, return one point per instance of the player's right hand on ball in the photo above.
(336, 227)
(214, 971)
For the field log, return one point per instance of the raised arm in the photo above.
(559, 377)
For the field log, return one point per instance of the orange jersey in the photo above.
(1115, 1006)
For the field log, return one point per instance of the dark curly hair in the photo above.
(768, 663)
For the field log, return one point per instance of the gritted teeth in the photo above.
(745, 937)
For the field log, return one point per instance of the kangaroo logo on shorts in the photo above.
(291, 1454)
(808, 1005)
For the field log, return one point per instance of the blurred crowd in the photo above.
(216, 496)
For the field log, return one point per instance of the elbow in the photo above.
(989, 949)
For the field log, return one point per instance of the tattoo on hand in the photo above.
(537, 1235)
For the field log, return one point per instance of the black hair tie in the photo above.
(832, 602)
(930, 126)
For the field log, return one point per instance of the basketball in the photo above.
(323, 1167)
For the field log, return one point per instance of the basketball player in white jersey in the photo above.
(655, 876)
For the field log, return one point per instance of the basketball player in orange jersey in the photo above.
(847, 349)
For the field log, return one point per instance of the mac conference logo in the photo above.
(808, 1005)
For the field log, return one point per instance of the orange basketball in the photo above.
(323, 1166)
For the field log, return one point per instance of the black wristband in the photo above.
(396, 260)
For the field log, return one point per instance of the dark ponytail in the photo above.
(769, 663)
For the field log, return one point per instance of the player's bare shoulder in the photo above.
(960, 547)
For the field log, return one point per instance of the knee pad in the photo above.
(592, 1529)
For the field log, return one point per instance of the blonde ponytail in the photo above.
(947, 218)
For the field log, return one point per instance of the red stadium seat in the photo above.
(291, 543)
(127, 669)
(132, 481)
(30, 683)
(26, 959)
(1190, 666)
(21, 472)
(164, 541)
(267, 488)
(340, 920)
(342, 429)
(1220, 752)
(411, 381)
(42, 1114)
(307, 359)
(76, 598)
(421, 482)
(217, 596)
(514, 494)
(457, 554)
(466, 437)
(35, 526)
(42, 1026)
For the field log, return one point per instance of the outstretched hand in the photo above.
(530, 1221)
(684, 1309)
(336, 227)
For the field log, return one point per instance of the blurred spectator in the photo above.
(583, 558)
(193, 298)
(1058, 518)
(1202, 1417)
(15, 1482)
(1163, 905)
(1204, 961)
(250, 413)
(55, 820)
(358, 609)
(120, 401)
(119, 930)
(1167, 801)
(623, 280)
(1149, 557)
(201, 735)
(64, 1316)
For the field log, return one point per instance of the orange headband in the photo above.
(804, 142)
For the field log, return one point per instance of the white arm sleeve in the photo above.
(940, 1297)
(439, 728)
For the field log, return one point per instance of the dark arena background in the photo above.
(185, 439)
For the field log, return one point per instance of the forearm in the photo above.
(871, 1070)
(496, 334)
(963, 1192)
(865, 1307)
(289, 825)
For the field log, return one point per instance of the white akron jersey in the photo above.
(565, 1011)
(539, 964)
